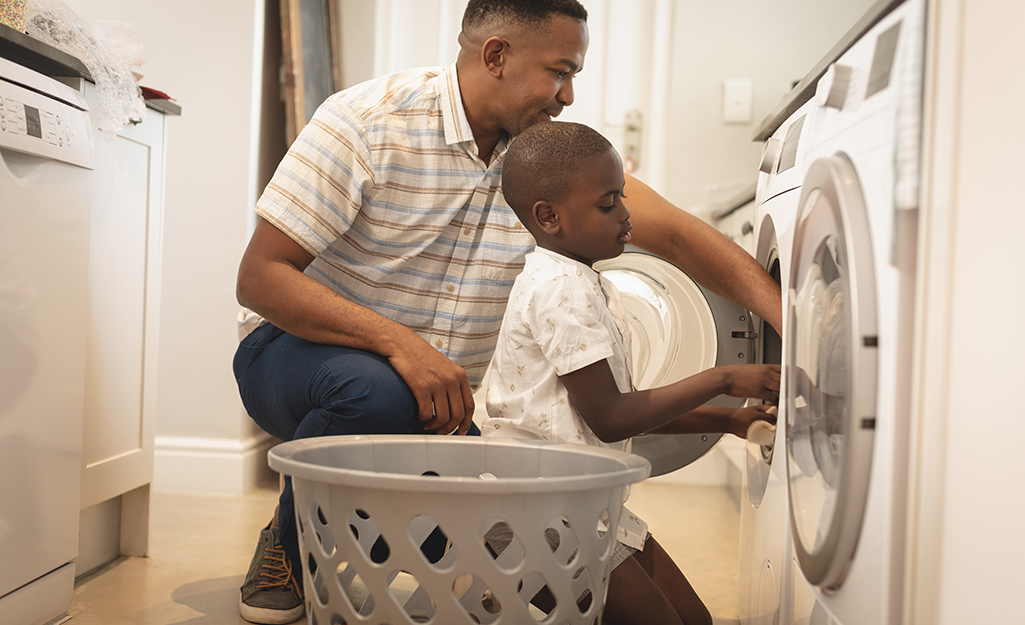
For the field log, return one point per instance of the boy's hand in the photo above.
(754, 381)
(742, 418)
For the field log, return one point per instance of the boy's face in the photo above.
(594, 223)
(538, 74)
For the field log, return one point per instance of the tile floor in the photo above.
(200, 548)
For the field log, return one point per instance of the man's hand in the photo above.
(440, 386)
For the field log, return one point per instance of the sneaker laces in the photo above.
(278, 572)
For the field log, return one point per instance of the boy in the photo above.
(562, 368)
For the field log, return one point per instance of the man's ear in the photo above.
(546, 217)
(493, 53)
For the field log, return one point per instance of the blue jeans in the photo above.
(295, 389)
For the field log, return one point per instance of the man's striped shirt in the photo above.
(385, 189)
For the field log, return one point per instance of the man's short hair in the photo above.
(543, 161)
(529, 13)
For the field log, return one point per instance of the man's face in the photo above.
(594, 223)
(538, 73)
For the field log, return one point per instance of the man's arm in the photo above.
(271, 282)
(702, 252)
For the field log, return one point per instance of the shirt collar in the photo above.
(571, 266)
(457, 126)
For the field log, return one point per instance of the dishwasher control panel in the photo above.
(36, 118)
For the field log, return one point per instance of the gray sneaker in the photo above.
(270, 595)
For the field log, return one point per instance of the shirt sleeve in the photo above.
(566, 324)
(317, 190)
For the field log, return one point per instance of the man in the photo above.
(377, 277)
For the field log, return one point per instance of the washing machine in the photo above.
(849, 310)
(764, 537)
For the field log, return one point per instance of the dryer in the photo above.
(849, 310)
(764, 537)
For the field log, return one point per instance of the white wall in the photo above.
(208, 55)
(357, 40)
(966, 546)
(773, 44)
(624, 69)
(665, 58)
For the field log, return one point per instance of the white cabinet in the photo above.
(121, 353)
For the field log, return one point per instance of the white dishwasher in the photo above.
(46, 157)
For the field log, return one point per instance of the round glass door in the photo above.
(831, 386)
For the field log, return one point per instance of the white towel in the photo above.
(762, 432)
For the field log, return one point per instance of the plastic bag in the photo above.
(109, 50)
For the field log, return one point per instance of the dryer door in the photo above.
(831, 377)
(678, 329)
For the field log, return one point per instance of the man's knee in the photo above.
(365, 388)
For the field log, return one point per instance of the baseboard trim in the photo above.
(214, 466)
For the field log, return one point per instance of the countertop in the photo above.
(50, 61)
(806, 88)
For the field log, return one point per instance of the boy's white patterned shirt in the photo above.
(562, 316)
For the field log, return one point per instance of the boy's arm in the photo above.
(615, 416)
(704, 419)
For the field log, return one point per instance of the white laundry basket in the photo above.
(392, 528)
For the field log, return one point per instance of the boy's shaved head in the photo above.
(542, 162)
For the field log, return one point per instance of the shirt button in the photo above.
(450, 288)
(438, 343)
(467, 231)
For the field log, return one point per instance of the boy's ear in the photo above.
(546, 217)
(493, 53)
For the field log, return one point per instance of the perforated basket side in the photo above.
(456, 549)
